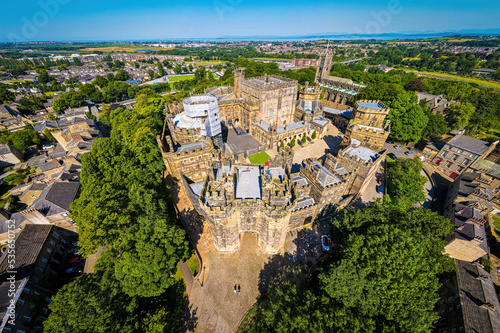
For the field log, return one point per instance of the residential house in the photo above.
(41, 257)
(468, 301)
(9, 156)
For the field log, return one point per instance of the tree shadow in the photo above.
(299, 263)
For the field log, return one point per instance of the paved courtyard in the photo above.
(214, 306)
(331, 141)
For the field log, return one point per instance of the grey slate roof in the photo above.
(29, 243)
(467, 185)
(469, 230)
(45, 124)
(56, 198)
(474, 292)
(464, 142)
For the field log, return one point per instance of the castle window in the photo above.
(465, 162)
(460, 151)
(454, 158)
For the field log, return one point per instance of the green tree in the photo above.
(122, 75)
(458, 115)
(123, 203)
(6, 96)
(49, 135)
(21, 140)
(314, 134)
(436, 126)
(405, 181)
(161, 70)
(282, 145)
(151, 74)
(304, 138)
(408, 120)
(100, 81)
(389, 263)
(70, 80)
(292, 143)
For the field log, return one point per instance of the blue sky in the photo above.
(153, 19)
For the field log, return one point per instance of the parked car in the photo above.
(397, 146)
(47, 146)
(74, 260)
(380, 189)
(411, 152)
(392, 156)
(325, 242)
(390, 142)
(381, 181)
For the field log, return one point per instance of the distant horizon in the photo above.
(113, 20)
(287, 37)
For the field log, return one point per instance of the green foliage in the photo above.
(304, 138)
(384, 278)
(408, 120)
(21, 140)
(49, 135)
(459, 114)
(389, 264)
(313, 135)
(93, 303)
(436, 125)
(122, 75)
(6, 96)
(405, 182)
(292, 143)
(123, 203)
(282, 145)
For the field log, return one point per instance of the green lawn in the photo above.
(485, 83)
(496, 223)
(180, 78)
(259, 158)
(193, 264)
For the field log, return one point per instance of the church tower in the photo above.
(324, 64)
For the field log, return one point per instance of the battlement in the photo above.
(269, 82)
(372, 106)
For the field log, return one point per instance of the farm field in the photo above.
(485, 83)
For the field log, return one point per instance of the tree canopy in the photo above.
(384, 278)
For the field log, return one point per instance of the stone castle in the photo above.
(236, 197)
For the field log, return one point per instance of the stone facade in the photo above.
(338, 90)
(367, 125)
(234, 197)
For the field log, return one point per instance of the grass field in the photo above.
(193, 264)
(485, 83)
(496, 223)
(180, 78)
(125, 48)
(205, 63)
(50, 94)
(259, 158)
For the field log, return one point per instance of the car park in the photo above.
(397, 146)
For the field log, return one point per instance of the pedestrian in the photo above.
(238, 289)
(235, 289)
